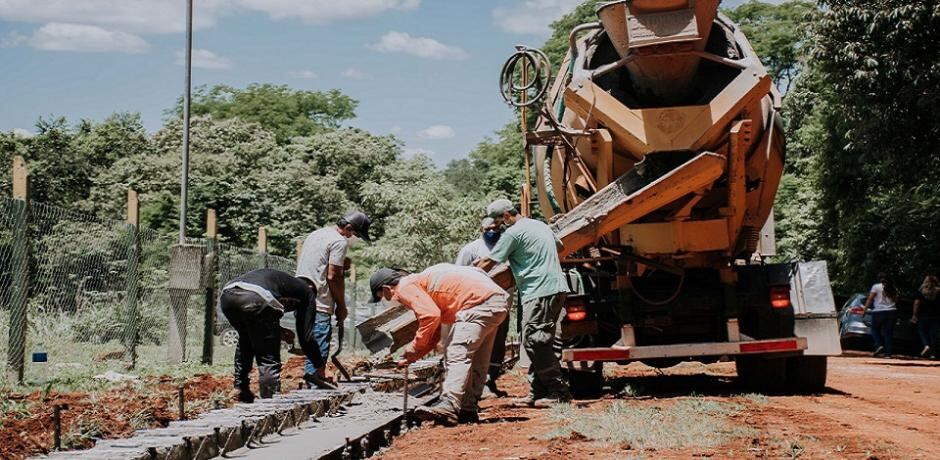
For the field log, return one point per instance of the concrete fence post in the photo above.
(16, 350)
(210, 271)
(131, 325)
(262, 247)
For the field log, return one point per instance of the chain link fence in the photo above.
(80, 295)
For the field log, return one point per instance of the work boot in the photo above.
(442, 413)
(491, 385)
(468, 416)
(557, 397)
(925, 352)
(879, 352)
(243, 395)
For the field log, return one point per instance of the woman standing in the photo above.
(882, 301)
(927, 314)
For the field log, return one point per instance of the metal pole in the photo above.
(184, 180)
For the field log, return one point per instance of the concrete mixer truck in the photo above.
(656, 157)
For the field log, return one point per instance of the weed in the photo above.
(795, 450)
(757, 398)
(13, 408)
(81, 433)
(691, 422)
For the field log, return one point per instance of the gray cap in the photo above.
(498, 207)
(360, 223)
(382, 277)
(486, 222)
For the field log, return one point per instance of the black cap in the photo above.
(360, 223)
(382, 277)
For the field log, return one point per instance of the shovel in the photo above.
(339, 348)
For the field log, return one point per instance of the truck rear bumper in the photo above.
(686, 350)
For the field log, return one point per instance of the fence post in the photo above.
(133, 277)
(16, 350)
(210, 271)
(262, 247)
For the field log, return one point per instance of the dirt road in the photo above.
(873, 408)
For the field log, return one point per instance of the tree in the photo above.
(286, 112)
(494, 167)
(864, 123)
(776, 33)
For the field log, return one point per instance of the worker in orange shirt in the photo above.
(449, 294)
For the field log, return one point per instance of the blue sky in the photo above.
(425, 70)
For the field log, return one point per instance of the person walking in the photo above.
(321, 264)
(253, 304)
(531, 249)
(468, 256)
(927, 315)
(474, 305)
(882, 301)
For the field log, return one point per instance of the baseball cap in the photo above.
(360, 223)
(486, 222)
(382, 277)
(498, 207)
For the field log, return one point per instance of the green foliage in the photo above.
(495, 167)
(286, 112)
(556, 47)
(428, 219)
(776, 31)
(863, 129)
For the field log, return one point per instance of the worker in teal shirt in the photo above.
(531, 248)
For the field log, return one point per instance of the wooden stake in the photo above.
(133, 207)
(262, 240)
(212, 226)
(20, 178)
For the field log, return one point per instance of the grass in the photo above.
(688, 422)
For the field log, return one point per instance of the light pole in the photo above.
(184, 179)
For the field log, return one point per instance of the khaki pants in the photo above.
(467, 351)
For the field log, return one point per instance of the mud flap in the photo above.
(814, 309)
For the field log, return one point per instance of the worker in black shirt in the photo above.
(254, 304)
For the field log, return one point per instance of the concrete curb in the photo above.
(245, 425)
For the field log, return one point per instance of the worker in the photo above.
(468, 256)
(531, 249)
(474, 305)
(253, 303)
(321, 265)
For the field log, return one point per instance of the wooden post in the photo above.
(16, 349)
(210, 271)
(526, 204)
(131, 326)
(263, 245)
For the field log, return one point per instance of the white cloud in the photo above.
(135, 16)
(401, 42)
(305, 74)
(83, 38)
(22, 133)
(324, 11)
(532, 17)
(12, 40)
(168, 16)
(356, 74)
(437, 132)
(204, 59)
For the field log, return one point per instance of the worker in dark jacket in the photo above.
(254, 303)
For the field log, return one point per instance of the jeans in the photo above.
(928, 327)
(323, 332)
(469, 345)
(538, 337)
(882, 329)
(259, 339)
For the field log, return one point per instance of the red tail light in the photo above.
(576, 311)
(857, 310)
(780, 296)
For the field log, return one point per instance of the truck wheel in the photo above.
(586, 384)
(806, 374)
(761, 374)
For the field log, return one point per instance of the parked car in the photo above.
(228, 336)
(855, 325)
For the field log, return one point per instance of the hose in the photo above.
(530, 58)
(659, 303)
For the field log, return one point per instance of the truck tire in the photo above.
(586, 384)
(806, 374)
(761, 374)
